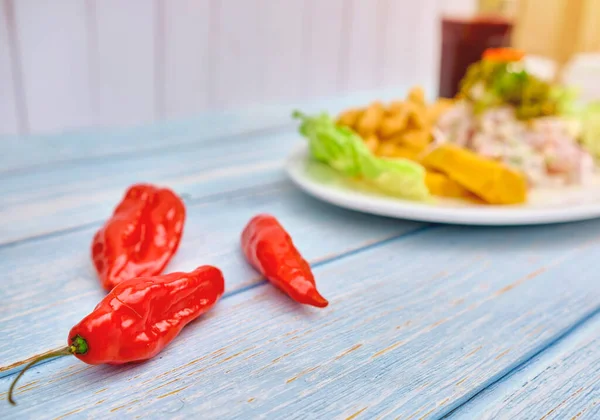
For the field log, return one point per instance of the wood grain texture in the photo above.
(51, 198)
(422, 318)
(66, 286)
(415, 327)
(560, 383)
(83, 193)
(32, 153)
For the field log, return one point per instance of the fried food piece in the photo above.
(350, 117)
(416, 116)
(416, 96)
(490, 180)
(395, 107)
(370, 120)
(401, 129)
(392, 150)
(441, 185)
(397, 139)
(435, 111)
(394, 123)
(418, 139)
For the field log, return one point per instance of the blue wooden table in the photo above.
(425, 320)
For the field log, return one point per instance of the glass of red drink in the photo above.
(463, 42)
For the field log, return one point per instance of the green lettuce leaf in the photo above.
(590, 135)
(343, 150)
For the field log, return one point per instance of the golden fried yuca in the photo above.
(443, 186)
(391, 150)
(370, 120)
(416, 116)
(418, 139)
(349, 117)
(416, 95)
(490, 180)
(436, 109)
(393, 124)
(394, 107)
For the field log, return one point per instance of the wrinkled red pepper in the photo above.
(269, 248)
(141, 236)
(139, 317)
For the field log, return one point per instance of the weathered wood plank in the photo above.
(86, 192)
(563, 382)
(48, 199)
(46, 152)
(26, 153)
(51, 281)
(414, 329)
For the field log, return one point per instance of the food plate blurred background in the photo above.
(507, 129)
(544, 205)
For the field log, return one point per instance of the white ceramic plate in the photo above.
(544, 206)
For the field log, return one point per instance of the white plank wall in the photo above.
(186, 60)
(283, 73)
(326, 35)
(364, 63)
(126, 39)
(54, 61)
(411, 44)
(235, 61)
(8, 105)
(68, 64)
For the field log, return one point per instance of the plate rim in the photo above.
(416, 211)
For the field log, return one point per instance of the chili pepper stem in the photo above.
(62, 352)
(78, 346)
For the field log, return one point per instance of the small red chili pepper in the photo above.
(141, 236)
(139, 317)
(269, 248)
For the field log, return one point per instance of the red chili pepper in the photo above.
(269, 248)
(141, 236)
(139, 317)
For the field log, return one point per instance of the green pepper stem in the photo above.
(58, 353)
